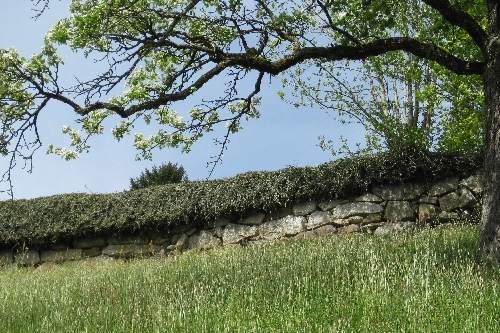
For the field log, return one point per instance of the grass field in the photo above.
(425, 282)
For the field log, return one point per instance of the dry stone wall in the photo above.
(383, 210)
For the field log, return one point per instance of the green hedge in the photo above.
(67, 216)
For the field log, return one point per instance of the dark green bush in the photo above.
(169, 173)
(67, 216)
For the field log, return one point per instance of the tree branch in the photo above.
(249, 60)
(358, 52)
(460, 19)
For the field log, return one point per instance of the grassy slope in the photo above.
(427, 282)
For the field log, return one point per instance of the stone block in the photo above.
(474, 183)
(461, 198)
(399, 192)
(349, 220)
(369, 228)
(319, 232)
(304, 208)
(369, 197)
(446, 217)
(427, 212)
(356, 209)
(349, 229)
(397, 211)
(203, 240)
(318, 219)
(329, 205)
(443, 187)
(287, 226)
(372, 218)
(235, 233)
(427, 199)
(180, 242)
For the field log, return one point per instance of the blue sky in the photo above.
(282, 136)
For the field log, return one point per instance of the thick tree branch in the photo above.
(461, 19)
(249, 60)
(358, 52)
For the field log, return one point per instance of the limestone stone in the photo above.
(350, 220)
(427, 199)
(459, 199)
(343, 222)
(475, 183)
(390, 228)
(27, 258)
(287, 226)
(60, 255)
(372, 218)
(329, 205)
(369, 197)
(86, 243)
(371, 226)
(304, 208)
(130, 250)
(235, 233)
(181, 242)
(203, 240)
(318, 219)
(349, 229)
(92, 252)
(427, 212)
(254, 219)
(356, 208)
(279, 213)
(6, 258)
(399, 192)
(397, 211)
(218, 232)
(355, 219)
(443, 187)
(319, 232)
(448, 216)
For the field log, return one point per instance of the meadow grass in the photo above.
(423, 282)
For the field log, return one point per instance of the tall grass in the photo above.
(425, 282)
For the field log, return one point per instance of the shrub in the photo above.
(166, 174)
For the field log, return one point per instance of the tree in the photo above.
(401, 100)
(169, 173)
(165, 51)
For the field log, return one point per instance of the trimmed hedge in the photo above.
(68, 216)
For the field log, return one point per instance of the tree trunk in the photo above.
(490, 218)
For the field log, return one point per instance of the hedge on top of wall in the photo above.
(68, 216)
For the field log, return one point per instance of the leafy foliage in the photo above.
(165, 174)
(401, 100)
(68, 216)
(156, 53)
